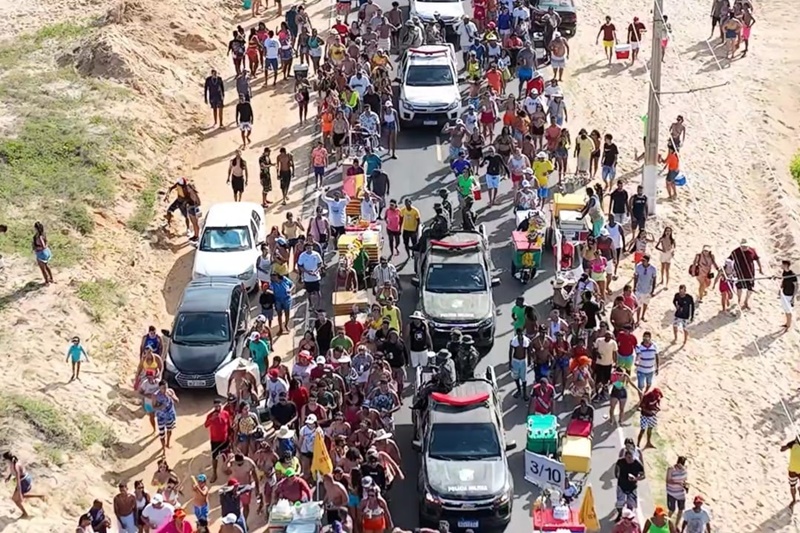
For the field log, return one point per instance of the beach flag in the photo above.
(587, 514)
(321, 463)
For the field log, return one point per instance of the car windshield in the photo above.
(429, 76)
(225, 240)
(463, 441)
(201, 328)
(456, 277)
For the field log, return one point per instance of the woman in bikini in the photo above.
(666, 245)
(148, 361)
(703, 269)
(504, 143)
(374, 511)
(41, 250)
(162, 475)
(253, 47)
(620, 381)
(561, 153)
(580, 379)
(309, 344)
(594, 161)
(23, 482)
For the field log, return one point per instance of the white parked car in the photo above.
(230, 242)
(429, 93)
(450, 12)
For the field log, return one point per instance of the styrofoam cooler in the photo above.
(622, 51)
(223, 375)
(542, 434)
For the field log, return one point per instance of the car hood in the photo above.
(447, 10)
(457, 307)
(466, 479)
(204, 359)
(443, 95)
(224, 264)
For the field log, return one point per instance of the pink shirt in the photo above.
(170, 527)
(393, 220)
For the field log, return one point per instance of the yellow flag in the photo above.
(587, 514)
(321, 463)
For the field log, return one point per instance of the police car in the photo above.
(429, 93)
(449, 12)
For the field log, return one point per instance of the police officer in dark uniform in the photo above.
(440, 225)
(467, 359)
(447, 207)
(454, 344)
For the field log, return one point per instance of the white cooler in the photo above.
(223, 375)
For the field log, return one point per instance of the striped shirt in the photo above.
(675, 480)
(646, 358)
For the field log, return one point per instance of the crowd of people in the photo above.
(348, 379)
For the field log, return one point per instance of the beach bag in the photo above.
(680, 179)
(694, 268)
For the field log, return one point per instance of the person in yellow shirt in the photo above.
(411, 222)
(794, 466)
(542, 167)
(392, 313)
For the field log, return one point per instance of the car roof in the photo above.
(231, 214)
(431, 54)
(480, 413)
(444, 255)
(207, 295)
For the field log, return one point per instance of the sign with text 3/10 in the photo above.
(544, 471)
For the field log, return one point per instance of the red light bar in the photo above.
(454, 245)
(445, 399)
(443, 50)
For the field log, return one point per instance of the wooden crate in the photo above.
(343, 302)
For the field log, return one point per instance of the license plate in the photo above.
(196, 383)
(429, 122)
(468, 524)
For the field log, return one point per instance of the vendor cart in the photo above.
(299, 518)
(567, 234)
(545, 520)
(527, 241)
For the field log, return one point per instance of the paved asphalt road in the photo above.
(418, 173)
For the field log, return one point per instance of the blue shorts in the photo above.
(319, 172)
(283, 305)
(492, 181)
(644, 379)
(453, 152)
(519, 370)
(268, 313)
(44, 256)
(201, 512)
(560, 121)
(271, 64)
(543, 192)
(541, 371)
(609, 173)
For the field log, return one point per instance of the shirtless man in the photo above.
(519, 358)
(200, 496)
(285, 164)
(384, 443)
(677, 131)
(457, 133)
(748, 20)
(732, 32)
(237, 175)
(621, 315)
(542, 356)
(559, 53)
(240, 377)
(244, 469)
(265, 459)
(335, 497)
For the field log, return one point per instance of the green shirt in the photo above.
(361, 261)
(465, 184)
(344, 341)
(259, 350)
(518, 314)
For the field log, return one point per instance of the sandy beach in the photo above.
(731, 397)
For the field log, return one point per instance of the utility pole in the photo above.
(650, 171)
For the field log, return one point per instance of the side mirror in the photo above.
(416, 445)
(167, 333)
(495, 282)
(415, 281)
(511, 445)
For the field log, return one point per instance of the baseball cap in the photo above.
(201, 478)
(659, 511)
(179, 513)
(321, 360)
(229, 519)
(273, 373)
(233, 482)
(157, 499)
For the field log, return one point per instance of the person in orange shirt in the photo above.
(327, 127)
(494, 78)
(672, 165)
